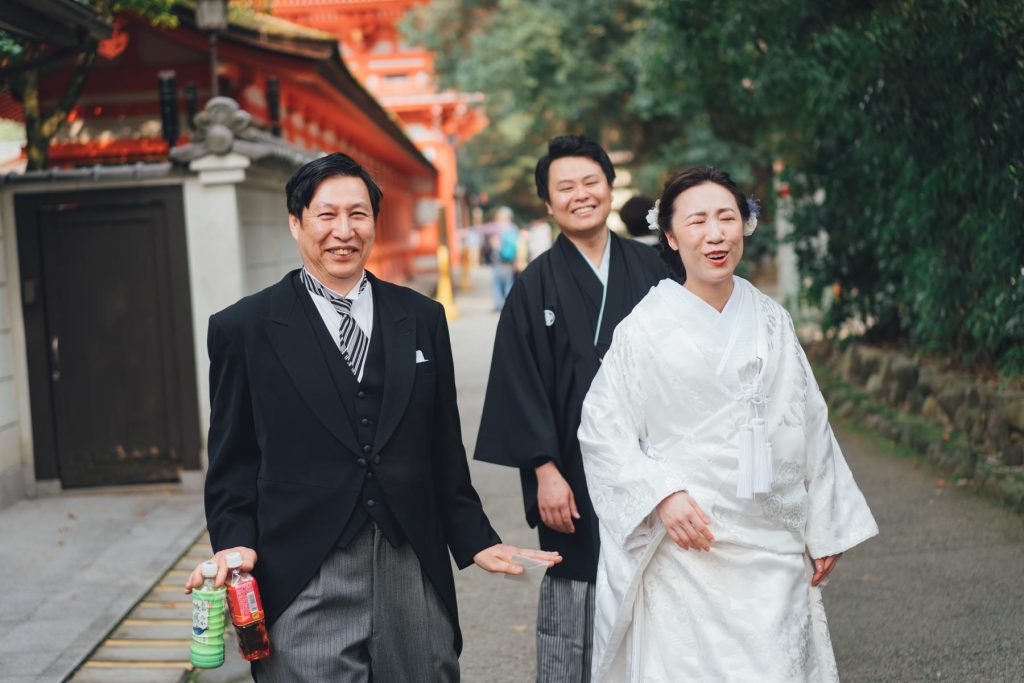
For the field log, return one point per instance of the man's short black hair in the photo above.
(571, 146)
(634, 214)
(304, 182)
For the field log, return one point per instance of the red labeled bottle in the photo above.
(246, 611)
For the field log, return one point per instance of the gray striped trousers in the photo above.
(565, 630)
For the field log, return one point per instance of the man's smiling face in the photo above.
(579, 196)
(336, 232)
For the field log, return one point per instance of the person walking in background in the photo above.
(724, 500)
(556, 326)
(336, 461)
(634, 215)
(501, 255)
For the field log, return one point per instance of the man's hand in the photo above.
(498, 558)
(555, 500)
(823, 567)
(195, 579)
(685, 522)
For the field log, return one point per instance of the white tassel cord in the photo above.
(745, 476)
(762, 464)
(754, 473)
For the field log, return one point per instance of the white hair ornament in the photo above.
(652, 216)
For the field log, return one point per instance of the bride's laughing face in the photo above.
(707, 231)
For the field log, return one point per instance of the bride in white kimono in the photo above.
(723, 497)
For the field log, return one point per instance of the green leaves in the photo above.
(904, 115)
(915, 143)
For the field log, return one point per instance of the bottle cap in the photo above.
(234, 560)
(209, 569)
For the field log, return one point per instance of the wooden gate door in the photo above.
(109, 335)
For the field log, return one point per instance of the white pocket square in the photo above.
(419, 357)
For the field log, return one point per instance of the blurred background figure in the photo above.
(472, 244)
(538, 239)
(501, 248)
(522, 251)
(634, 214)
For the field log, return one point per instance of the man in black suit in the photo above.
(336, 454)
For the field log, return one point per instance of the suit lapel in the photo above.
(294, 339)
(397, 330)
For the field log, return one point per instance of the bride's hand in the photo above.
(823, 566)
(685, 522)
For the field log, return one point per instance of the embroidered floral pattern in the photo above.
(795, 639)
(770, 313)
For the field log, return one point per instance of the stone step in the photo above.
(122, 672)
(162, 610)
(162, 651)
(165, 594)
(152, 643)
(166, 629)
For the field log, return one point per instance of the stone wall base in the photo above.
(972, 431)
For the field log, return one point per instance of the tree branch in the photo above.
(51, 122)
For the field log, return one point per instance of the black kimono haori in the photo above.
(545, 358)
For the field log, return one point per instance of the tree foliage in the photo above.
(548, 67)
(898, 121)
(23, 63)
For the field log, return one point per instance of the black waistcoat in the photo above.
(363, 400)
(368, 395)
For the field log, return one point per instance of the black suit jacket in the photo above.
(283, 476)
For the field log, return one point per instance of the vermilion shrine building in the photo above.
(323, 107)
(402, 79)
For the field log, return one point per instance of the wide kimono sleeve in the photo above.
(838, 517)
(626, 479)
(517, 426)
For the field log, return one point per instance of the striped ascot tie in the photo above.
(354, 342)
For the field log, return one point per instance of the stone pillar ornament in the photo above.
(223, 128)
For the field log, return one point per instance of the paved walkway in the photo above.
(939, 596)
(74, 564)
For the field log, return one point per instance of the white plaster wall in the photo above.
(268, 248)
(15, 457)
(216, 273)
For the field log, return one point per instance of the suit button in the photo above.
(364, 422)
(370, 503)
(361, 462)
(367, 448)
(361, 394)
(376, 460)
(369, 474)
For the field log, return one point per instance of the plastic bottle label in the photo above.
(245, 603)
(207, 621)
(200, 616)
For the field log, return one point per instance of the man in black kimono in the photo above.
(556, 325)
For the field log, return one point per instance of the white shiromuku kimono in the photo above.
(671, 410)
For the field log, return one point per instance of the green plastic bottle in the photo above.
(208, 619)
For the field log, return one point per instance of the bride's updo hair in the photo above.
(675, 186)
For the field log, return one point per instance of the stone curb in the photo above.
(948, 451)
